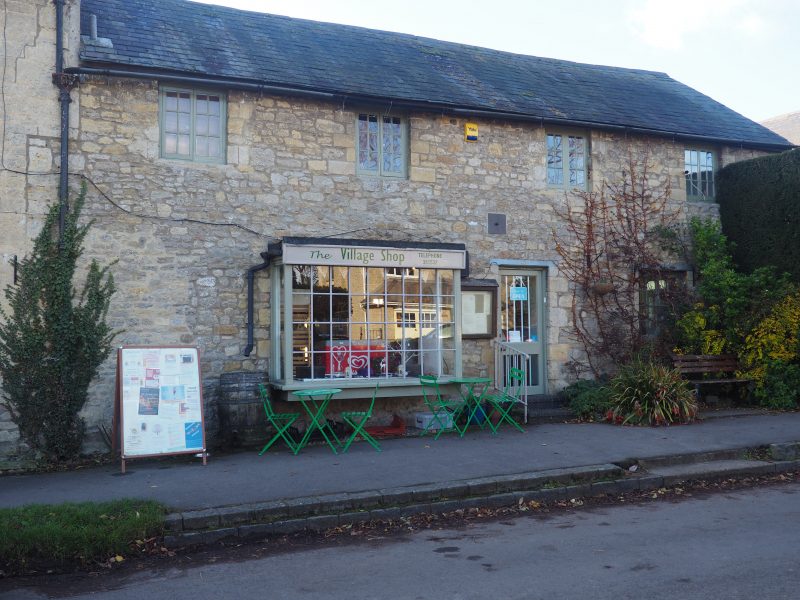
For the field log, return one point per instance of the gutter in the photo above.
(251, 276)
(64, 98)
(361, 99)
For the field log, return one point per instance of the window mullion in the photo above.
(192, 120)
(380, 150)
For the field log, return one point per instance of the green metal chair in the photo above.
(502, 403)
(280, 421)
(357, 420)
(445, 412)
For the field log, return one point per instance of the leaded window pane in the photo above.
(368, 142)
(577, 161)
(699, 173)
(392, 145)
(555, 167)
(381, 147)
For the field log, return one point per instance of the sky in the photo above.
(743, 53)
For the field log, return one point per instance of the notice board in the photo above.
(159, 407)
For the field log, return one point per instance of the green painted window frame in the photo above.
(656, 288)
(223, 125)
(566, 134)
(379, 171)
(695, 192)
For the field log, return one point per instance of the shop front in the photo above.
(360, 311)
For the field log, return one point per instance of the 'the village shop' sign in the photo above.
(373, 256)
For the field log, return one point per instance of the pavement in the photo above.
(244, 496)
(246, 478)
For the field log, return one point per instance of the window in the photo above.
(566, 160)
(193, 125)
(408, 319)
(658, 293)
(382, 145)
(699, 173)
(400, 271)
(355, 322)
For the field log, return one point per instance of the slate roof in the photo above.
(220, 42)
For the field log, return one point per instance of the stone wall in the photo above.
(184, 234)
(291, 171)
(30, 128)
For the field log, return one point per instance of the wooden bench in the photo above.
(695, 366)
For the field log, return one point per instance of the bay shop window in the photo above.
(356, 311)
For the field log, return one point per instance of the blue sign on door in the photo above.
(519, 293)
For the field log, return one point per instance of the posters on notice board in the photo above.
(160, 402)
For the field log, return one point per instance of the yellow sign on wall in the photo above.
(470, 132)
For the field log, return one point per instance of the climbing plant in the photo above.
(614, 240)
(53, 338)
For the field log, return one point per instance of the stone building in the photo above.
(392, 199)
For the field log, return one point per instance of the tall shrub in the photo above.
(52, 338)
(758, 209)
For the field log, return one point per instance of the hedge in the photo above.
(759, 203)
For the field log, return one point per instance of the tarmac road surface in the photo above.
(734, 545)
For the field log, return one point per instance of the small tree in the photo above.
(53, 340)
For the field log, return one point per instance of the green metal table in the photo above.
(315, 402)
(473, 401)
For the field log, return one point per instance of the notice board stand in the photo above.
(158, 405)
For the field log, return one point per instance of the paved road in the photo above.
(738, 545)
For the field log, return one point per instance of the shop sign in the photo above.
(373, 256)
(519, 293)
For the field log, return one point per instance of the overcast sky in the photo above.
(743, 53)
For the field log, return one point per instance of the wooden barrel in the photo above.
(242, 422)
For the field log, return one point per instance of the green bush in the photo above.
(780, 385)
(53, 337)
(729, 303)
(647, 393)
(587, 398)
(758, 209)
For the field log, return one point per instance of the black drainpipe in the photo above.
(65, 82)
(251, 277)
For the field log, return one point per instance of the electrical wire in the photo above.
(86, 178)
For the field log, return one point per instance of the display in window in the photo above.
(357, 322)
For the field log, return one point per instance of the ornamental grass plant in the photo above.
(648, 393)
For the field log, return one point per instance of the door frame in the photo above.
(541, 273)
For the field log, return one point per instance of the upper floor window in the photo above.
(382, 145)
(192, 125)
(699, 172)
(566, 160)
